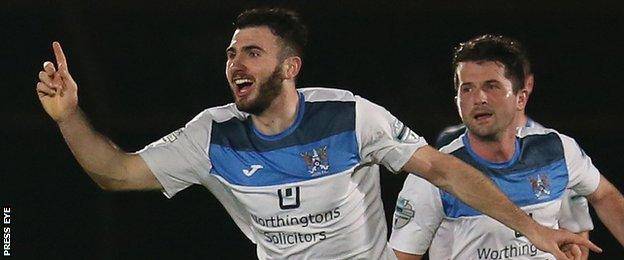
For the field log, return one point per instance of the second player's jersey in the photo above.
(310, 192)
(545, 164)
(574, 215)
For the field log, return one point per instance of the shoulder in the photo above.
(320, 94)
(364, 108)
(453, 145)
(569, 144)
(549, 138)
(540, 137)
(535, 131)
(543, 132)
(221, 113)
(449, 134)
(205, 119)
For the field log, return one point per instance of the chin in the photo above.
(244, 103)
(243, 106)
(250, 107)
(482, 133)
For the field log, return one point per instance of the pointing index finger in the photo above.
(60, 56)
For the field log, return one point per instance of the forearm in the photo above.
(99, 157)
(610, 210)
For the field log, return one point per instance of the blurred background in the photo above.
(145, 68)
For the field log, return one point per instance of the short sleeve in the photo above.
(583, 175)
(178, 158)
(417, 216)
(574, 214)
(382, 137)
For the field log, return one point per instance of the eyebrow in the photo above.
(246, 48)
(491, 81)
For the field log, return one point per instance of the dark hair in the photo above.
(285, 24)
(505, 50)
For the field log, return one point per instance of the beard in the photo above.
(267, 92)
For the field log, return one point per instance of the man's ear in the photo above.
(524, 93)
(522, 97)
(529, 82)
(291, 67)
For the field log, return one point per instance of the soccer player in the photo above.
(297, 169)
(574, 214)
(534, 166)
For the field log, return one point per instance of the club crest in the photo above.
(540, 185)
(403, 213)
(316, 160)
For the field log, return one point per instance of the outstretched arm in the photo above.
(473, 188)
(609, 205)
(110, 167)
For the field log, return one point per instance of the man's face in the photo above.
(485, 99)
(253, 68)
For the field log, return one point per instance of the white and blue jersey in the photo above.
(574, 215)
(544, 167)
(310, 192)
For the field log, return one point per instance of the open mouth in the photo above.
(482, 116)
(243, 86)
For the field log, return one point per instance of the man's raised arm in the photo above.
(476, 190)
(110, 167)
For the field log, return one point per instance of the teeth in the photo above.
(242, 81)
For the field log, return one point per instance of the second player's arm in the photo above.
(609, 205)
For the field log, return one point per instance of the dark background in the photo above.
(145, 68)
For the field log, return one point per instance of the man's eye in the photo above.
(491, 86)
(254, 54)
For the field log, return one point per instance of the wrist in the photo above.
(70, 118)
(533, 229)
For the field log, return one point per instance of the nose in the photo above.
(235, 63)
(480, 97)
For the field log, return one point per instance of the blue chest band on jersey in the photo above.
(321, 142)
(537, 173)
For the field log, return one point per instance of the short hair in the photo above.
(286, 24)
(505, 50)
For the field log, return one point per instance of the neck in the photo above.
(499, 149)
(521, 120)
(281, 114)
